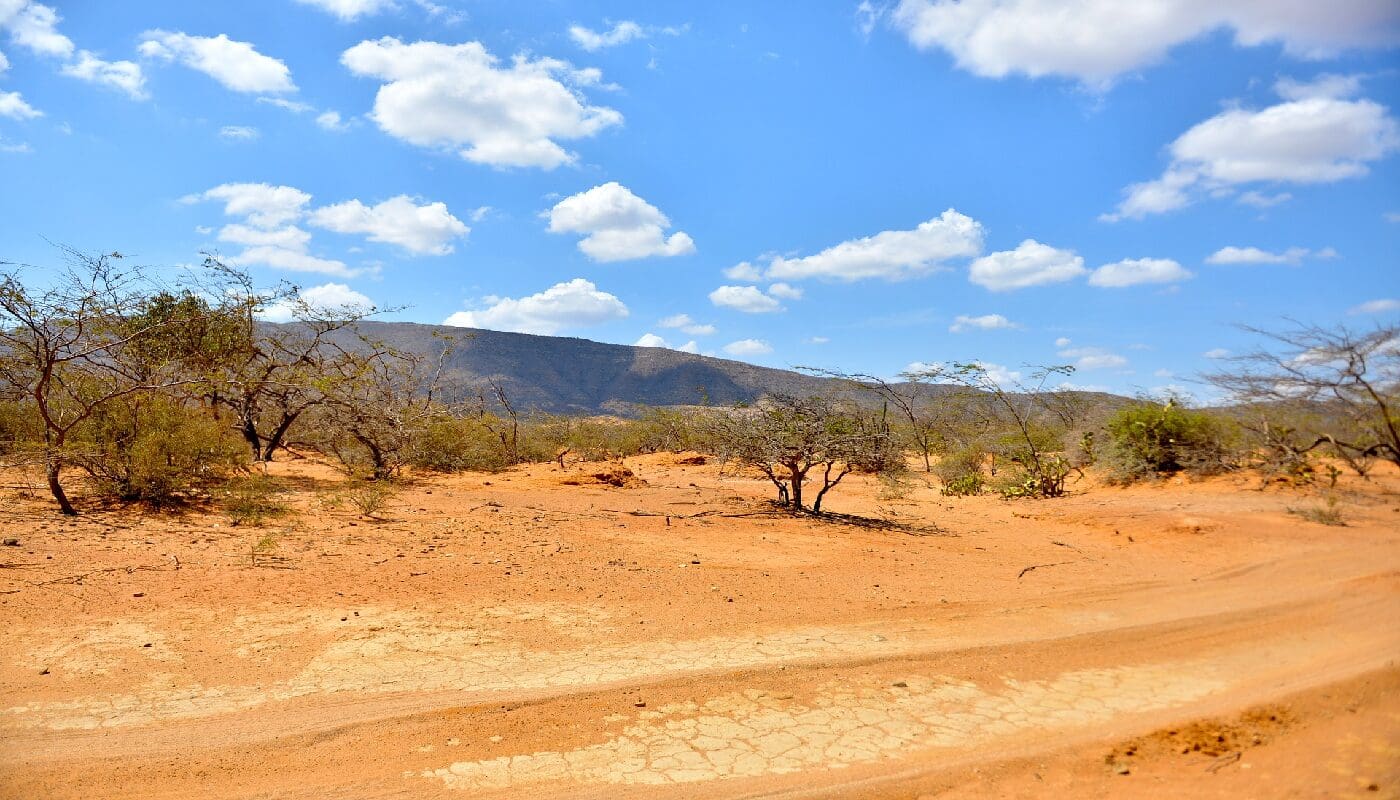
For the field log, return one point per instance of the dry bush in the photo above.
(369, 496)
(253, 499)
(1329, 513)
(961, 470)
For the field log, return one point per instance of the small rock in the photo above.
(900, 685)
(139, 594)
(12, 543)
(640, 705)
(147, 644)
(1121, 769)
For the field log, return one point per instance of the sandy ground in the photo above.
(539, 634)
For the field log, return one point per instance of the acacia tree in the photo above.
(81, 344)
(910, 398)
(278, 371)
(1032, 407)
(1354, 376)
(377, 402)
(786, 438)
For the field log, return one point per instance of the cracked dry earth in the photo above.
(522, 635)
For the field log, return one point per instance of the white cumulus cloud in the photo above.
(572, 304)
(1093, 358)
(748, 299)
(748, 347)
(350, 10)
(621, 33)
(1328, 85)
(1135, 271)
(652, 340)
(264, 205)
(239, 132)
(427, 229)
(1030, 264)
(1262, 200)
(743, 271)
(891, 255)
(1376, 306)
(236, 65)
(785, 291)
(687, 325)
(617, 225)
(123, 75)
(986, 322)
(12, 105)
(1255, 255)
(1096, 41)
(34, 26)
(326, 299)
(460, 97)
(1304, 141)
(331, 121)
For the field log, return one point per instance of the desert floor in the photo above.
(536, 633)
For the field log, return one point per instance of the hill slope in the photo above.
(569, 375)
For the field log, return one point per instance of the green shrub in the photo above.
(956, 464)
(157, 451)
(1149, 439)
(252, 499)
(460, 445)
(20, 427)
(965, 485)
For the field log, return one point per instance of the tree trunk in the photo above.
(827, 485)
(278, 434)
(796, 479)
(52, 466)
(250, 435)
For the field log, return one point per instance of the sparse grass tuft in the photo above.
(368, 497)
(253, 499)
(1328, 514)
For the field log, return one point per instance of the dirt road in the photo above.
(532, 635)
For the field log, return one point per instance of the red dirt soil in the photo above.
(547, 633)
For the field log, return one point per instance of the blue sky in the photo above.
(849, 185)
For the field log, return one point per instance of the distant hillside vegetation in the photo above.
(567, 375)
(561, 374)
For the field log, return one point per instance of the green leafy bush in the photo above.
(460, 445)
(1149, 439)
(960, 464)
(20, 427)
(964, 485)
(157, 451)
